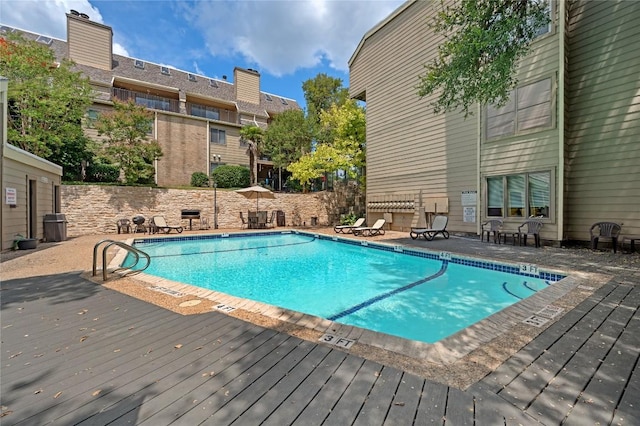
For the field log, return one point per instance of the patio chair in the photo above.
(347, 229)
(528, 227)
(124, 226)
(370, 231)
(245, 224)
(438, 227)
(492, 225)
(158, 224)
(605, 230)
(271, 220)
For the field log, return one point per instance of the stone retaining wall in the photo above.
(94, 209)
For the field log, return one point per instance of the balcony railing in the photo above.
(146, 100)
(212, 113)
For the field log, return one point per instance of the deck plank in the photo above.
(378, 402)
(405, 402)
(433, 404)
(599, 400)
(293, 367)
(321, 406)
(460, 408)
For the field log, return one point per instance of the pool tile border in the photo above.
(446, 351)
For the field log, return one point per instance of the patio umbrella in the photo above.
(256, 192)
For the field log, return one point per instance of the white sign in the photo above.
(469, 198)
(11, 196)
(469, 214)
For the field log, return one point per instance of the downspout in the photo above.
(479, 194)
(561, 113)
(155, 132)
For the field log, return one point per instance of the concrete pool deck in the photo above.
(606, 319)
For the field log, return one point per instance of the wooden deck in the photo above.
(74, 352)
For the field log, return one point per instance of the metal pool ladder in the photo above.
(136, 253)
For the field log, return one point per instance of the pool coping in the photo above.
(529, 316)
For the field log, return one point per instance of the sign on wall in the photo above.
(11, 196)
(469, 214)
(469, 198)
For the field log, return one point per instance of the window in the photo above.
(284, 101)
(528, 108)
(544, 29)
(138, 64)
(92, 117)
(205, 112)
(44, 40)
(191, 77)
(218, 136)
(165, 70)
(213, 83)
(268, 97)
(153, 102)
(521, 195)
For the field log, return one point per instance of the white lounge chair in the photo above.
(369, 231)
(346, 229)
(159, 224)
(438, 227)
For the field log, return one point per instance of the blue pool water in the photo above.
(406, 295)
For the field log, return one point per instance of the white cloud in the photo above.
(284, 36)
(277, 37)
(49, 17)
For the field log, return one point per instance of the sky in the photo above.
(288, 42)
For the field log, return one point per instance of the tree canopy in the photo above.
(484, 39)
(288, 137)
(320, 93)
(126, 130)
(47, 101)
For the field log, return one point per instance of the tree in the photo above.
(478, 59)
(253, 136)
(320, 93)
(287, 138)
(46, 103)
(126, 130)
(345, 127)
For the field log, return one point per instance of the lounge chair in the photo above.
(346, 229)
(158, 224)
(370, 231)
(439, 227)
(605, 230)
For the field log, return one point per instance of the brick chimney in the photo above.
(89, 43)
(247, 85)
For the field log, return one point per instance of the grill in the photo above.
(190, 214)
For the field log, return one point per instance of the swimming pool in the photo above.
(407, 293)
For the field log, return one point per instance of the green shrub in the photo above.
(100, 172)
(348, 219)
(229, 176)
(199, 179)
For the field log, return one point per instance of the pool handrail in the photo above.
(136, 252)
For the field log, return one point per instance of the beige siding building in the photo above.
(197, 119)
(565, 149)
(30, 186)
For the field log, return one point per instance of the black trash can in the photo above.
(280, 218)
(55, 227)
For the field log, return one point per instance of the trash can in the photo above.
(280, 218)
(55, 227)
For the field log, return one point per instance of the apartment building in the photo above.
(197, 120)
(565, 149)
